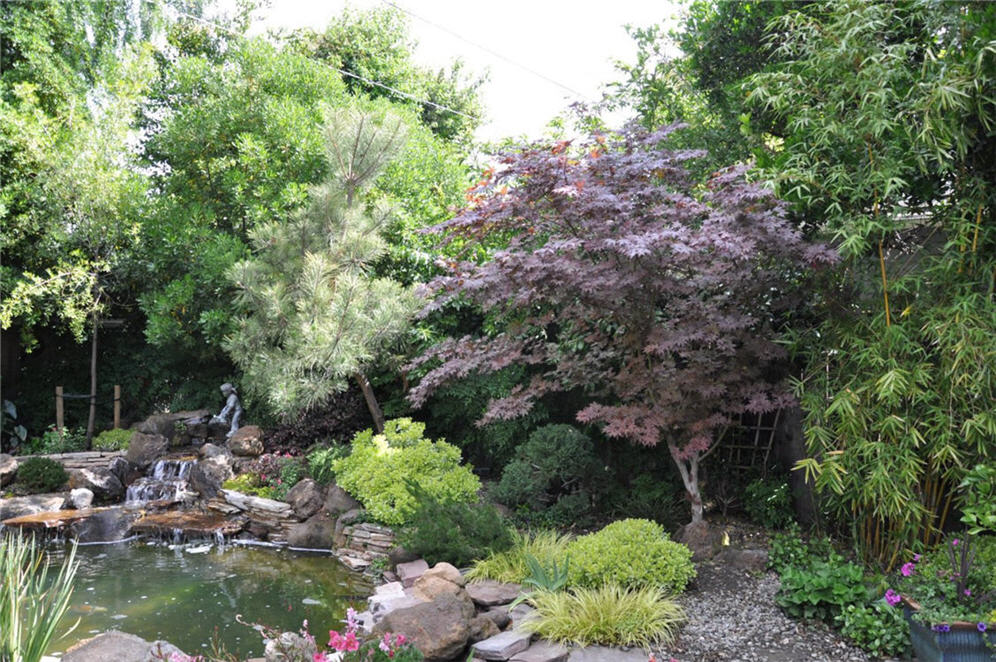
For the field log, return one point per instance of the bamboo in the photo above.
(885, 285)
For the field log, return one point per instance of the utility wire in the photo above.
(486, 49)
(346, 73)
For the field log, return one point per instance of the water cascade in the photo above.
(166, 481)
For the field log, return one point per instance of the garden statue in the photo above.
(232, 410)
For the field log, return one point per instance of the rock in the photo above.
(314, 533)
(81, 498)
(209, 474)
(353, 562)
(30, 505)
(409, 572)
(446, 571)
(610, 654)
(126, 472)
(429, 587)
(382, 605)
(543, 651)
(338, 501)
(490, 593)
(440, 629)
(107, 525)
(503, 645)
(290, 647)
(175, 427)
(521, 614)
(114, 646)
(751, 560)
(482, 627)
(104, 485)
(500, 616)
(8, 469)
(209, 450)
(163, 650)
(699, 538)
(306, 498)
(247, 441)
(399, 554)
(144, 449)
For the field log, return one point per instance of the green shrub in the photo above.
(556, 461)
(248, 484)
(547, 547)
(320, 463)
(879, 629)
(379, 466)
(113, 440)
(457, 533)
(608, 615)
(40, 474)
(53, 441)
(631, 553)
(791, 550)
(769, 502)
(822, 590)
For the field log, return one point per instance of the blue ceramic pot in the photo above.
(962, 643)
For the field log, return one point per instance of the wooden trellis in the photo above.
(747, 446)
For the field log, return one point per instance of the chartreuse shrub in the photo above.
(113, 440)
(607, 615)
(455, 532)
(631, 553)
(377, 469)
(248, 483)
(512, 565)
(41, 474)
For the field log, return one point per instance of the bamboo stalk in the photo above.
(885, 285)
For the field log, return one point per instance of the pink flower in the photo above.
(892, 598)
(916, 557)
(351, 643)
(351, 623)
(336, 640)
(319, 657)
(954, 543)
(907, 569)
(399, 639)
(968, 592)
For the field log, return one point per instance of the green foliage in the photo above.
(249, 483)
(315, 318)
(320, 463)
(31, 603)
(69, 440)
(40, 474)
(12, 434)
(822, 589)
(878, 628)
(458, 533)
(608, 615)
(789, 549)
(113, 440)
(546, 547)
(769, 502)
(379, 466)
(979, 503)
(631, 553)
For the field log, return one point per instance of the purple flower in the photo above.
(916, 558)
(954, 543)
(968, 592)
(907, 569)
(943, 627)
(981, 627)
(892, 598)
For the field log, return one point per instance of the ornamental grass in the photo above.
(608, 615)
(547, 547)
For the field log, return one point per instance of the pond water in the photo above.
(186, 594)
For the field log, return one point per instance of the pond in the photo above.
(189, 594)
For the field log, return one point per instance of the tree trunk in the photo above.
(368, 394)
(689, 470)
(93, 386)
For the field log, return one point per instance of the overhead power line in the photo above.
(486, 49)
(347, 73)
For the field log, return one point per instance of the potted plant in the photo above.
(950, 602)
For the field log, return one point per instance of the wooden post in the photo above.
(117, 406)
(59, 416)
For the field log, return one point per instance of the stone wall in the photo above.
(86, 460)
(367, 541)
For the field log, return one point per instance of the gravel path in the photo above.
(733, 616)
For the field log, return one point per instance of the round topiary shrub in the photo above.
(40, 474)
(631, 553)
(113, 440)
(379, 467)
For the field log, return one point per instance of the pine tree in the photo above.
(315, 317)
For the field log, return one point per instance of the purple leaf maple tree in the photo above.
(619, 278)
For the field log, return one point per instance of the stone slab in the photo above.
(490, 593)
(502, 646)
(606, 654)
(390, 588)
(409, 572)
(542, 651)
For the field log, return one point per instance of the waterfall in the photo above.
(166, 481)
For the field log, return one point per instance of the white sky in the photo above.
(572, 43)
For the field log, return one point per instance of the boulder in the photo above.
(175, 427)
(126, 472)
(106, 525)
(210, 450)
(338, 501)
(700, 538)
(409, 572)
(115, 646)
(502, 646)
(446, 571)
(247, 441)
(145, 449)
(306, 498)
(399, 555)
(440, 629)
(8, 469)
(429, 587)
(482, 627)
(314, 533)
(104, 485)
(490, 593)
(80, 498)
(290, 647)
(207, 475)
(30, 505)
(499, 615)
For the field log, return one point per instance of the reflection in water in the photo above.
(161, 593)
